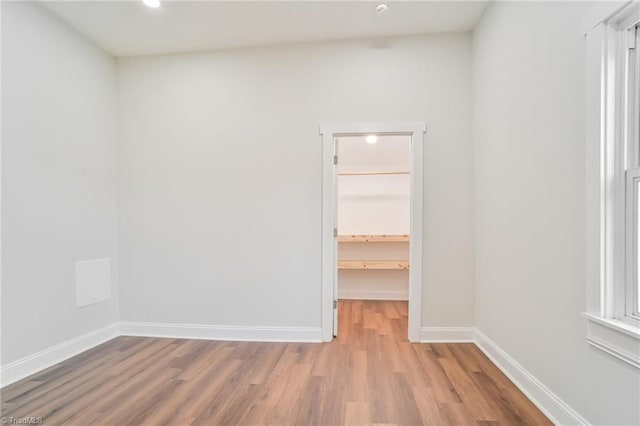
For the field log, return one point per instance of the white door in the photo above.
(335, 237)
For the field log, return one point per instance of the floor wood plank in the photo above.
(370, 374)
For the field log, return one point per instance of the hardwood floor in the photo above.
(370, 374)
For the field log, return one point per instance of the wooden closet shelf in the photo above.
(372, 238)
(373, 264)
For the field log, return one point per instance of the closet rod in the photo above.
(371, 173)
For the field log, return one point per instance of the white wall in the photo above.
(58, 178)
(374, 204)
(220, 171)
(529, 161)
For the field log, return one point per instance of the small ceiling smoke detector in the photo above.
(372, 139)
(152, 3)
(382, 8)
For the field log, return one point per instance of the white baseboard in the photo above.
(373, 295)
(19, 369)
(447, 334)
(559, 412)
(228, 332)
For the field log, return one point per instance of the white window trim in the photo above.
(608, 327)
(632, 176)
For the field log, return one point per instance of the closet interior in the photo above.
(373, 217)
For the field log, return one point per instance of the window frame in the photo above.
(613, 126)
(632, 173)
(632, 181)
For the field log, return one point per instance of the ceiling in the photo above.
(389, 153)
(129, 28)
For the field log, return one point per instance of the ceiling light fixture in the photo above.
(152, 3)
(381, 8)
(372, 139)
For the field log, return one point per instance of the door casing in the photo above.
(329, 132)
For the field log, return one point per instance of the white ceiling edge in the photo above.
(128, 28)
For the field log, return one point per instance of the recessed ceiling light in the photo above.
(372, 139)
(382, 7)
(152, 3)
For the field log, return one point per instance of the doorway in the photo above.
(412, 134)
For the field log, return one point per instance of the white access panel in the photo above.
(93, 281)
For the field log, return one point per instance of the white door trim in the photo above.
(329, 204)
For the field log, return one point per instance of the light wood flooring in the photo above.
(370, 374)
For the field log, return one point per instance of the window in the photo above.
(633, 230)
(613, 184)
(630, 151)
